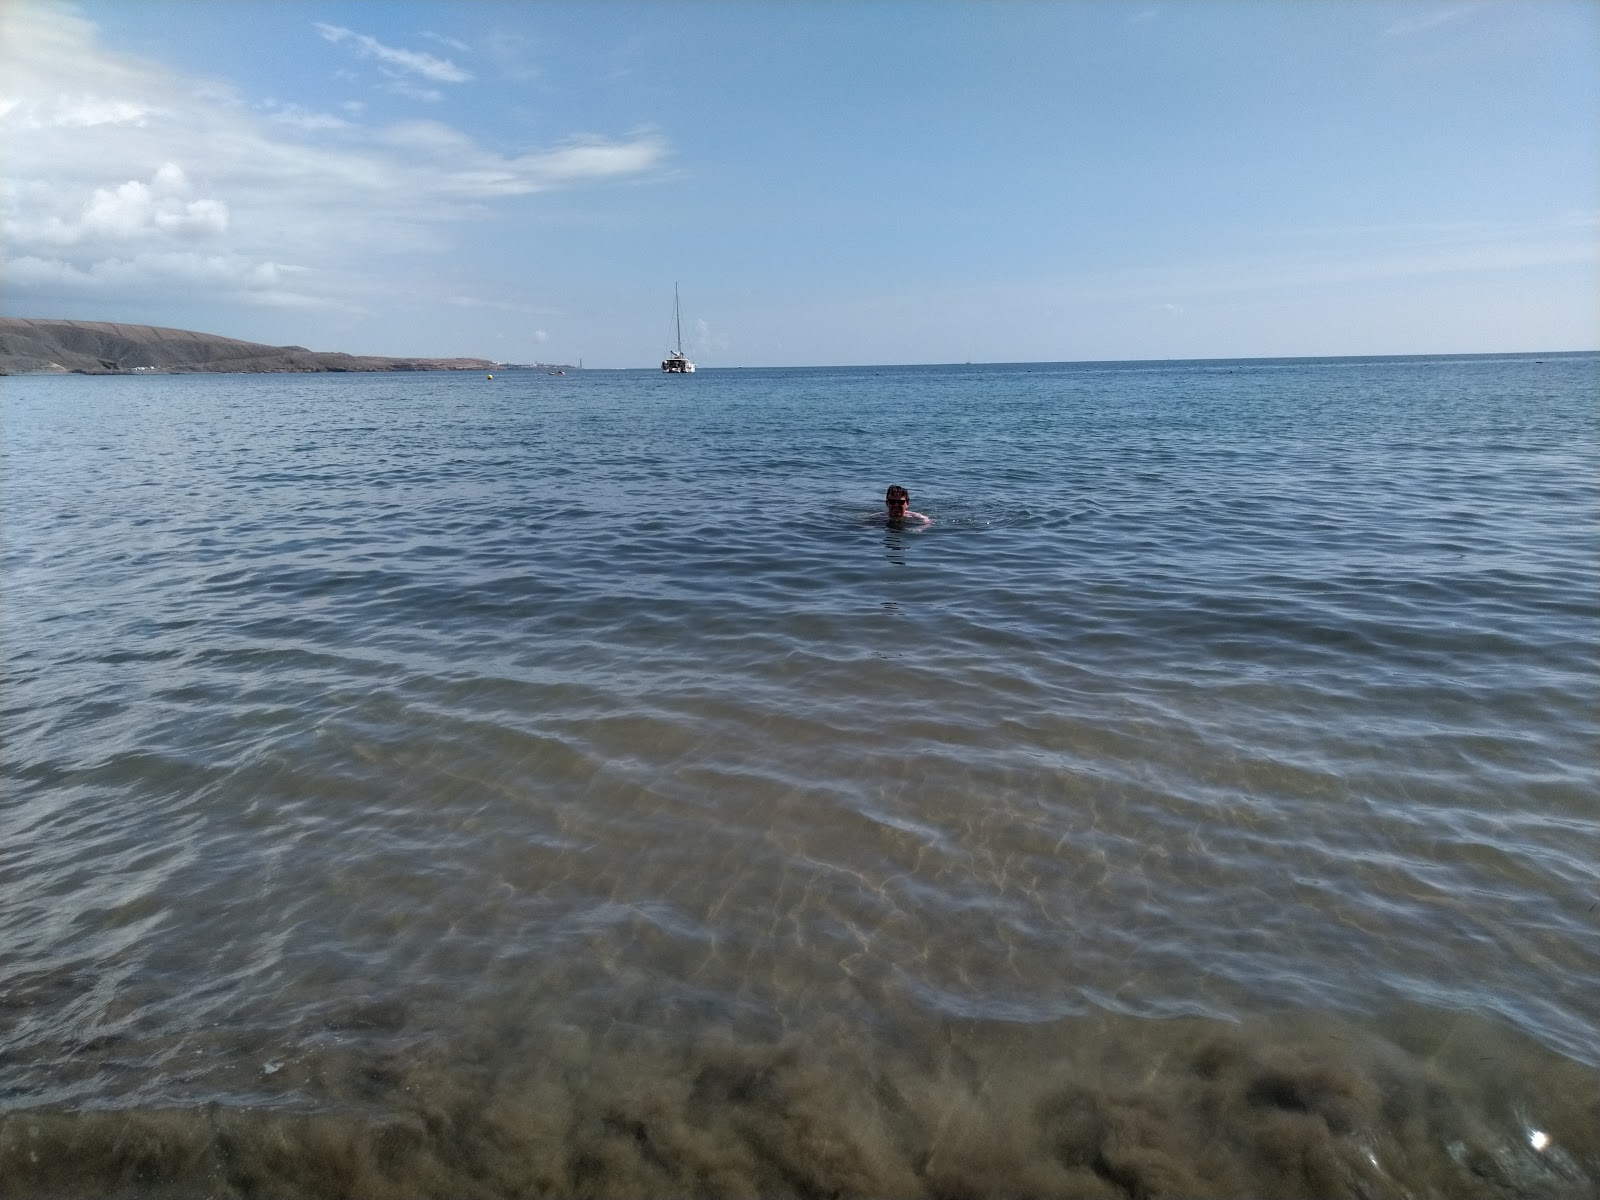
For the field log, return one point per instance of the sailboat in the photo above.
(677, 362)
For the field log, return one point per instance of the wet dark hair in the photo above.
(896, 492)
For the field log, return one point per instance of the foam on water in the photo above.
(559, 786)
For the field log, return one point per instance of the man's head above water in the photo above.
(898, 501)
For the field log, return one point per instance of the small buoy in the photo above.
(488, 376)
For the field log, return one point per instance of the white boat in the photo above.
(677, 362)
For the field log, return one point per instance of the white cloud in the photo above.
(114, 164)
(596, 158)
(440, 70)
(707, 337)
(304, 118)
(230, 275)
(1427, 21)
(510, 306)
(462, 168)
(412, 91)
(73, 112)
(453, 43)
(1507, 250)
(131, 212)
(160, 206)
(433, 137)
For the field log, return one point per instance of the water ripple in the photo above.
(369, 715)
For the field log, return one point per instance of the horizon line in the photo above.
(1087, 362)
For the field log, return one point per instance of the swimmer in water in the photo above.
(898, 501)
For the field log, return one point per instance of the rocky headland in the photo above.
(34, 346)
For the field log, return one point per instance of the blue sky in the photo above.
(830, 183)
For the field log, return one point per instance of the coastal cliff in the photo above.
(30, 346)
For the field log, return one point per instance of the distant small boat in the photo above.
(677, 363)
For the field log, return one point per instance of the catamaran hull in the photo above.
(677, 363)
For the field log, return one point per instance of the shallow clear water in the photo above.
(567, 785)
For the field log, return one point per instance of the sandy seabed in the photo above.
(1093, 1108)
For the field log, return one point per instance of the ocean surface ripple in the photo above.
(553, 786)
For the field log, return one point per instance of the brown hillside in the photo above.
(29, 345)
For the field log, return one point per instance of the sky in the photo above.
(828, 182)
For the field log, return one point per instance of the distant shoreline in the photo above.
(33, 346)
(40, 346)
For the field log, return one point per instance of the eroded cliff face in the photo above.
(29, 345)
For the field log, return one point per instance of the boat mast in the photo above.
(677, 320)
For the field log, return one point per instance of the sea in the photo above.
(430, 785)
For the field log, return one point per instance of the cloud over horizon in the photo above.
(130, 180)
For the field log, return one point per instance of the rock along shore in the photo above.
(33, 346)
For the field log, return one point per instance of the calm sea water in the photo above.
(422, 785)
